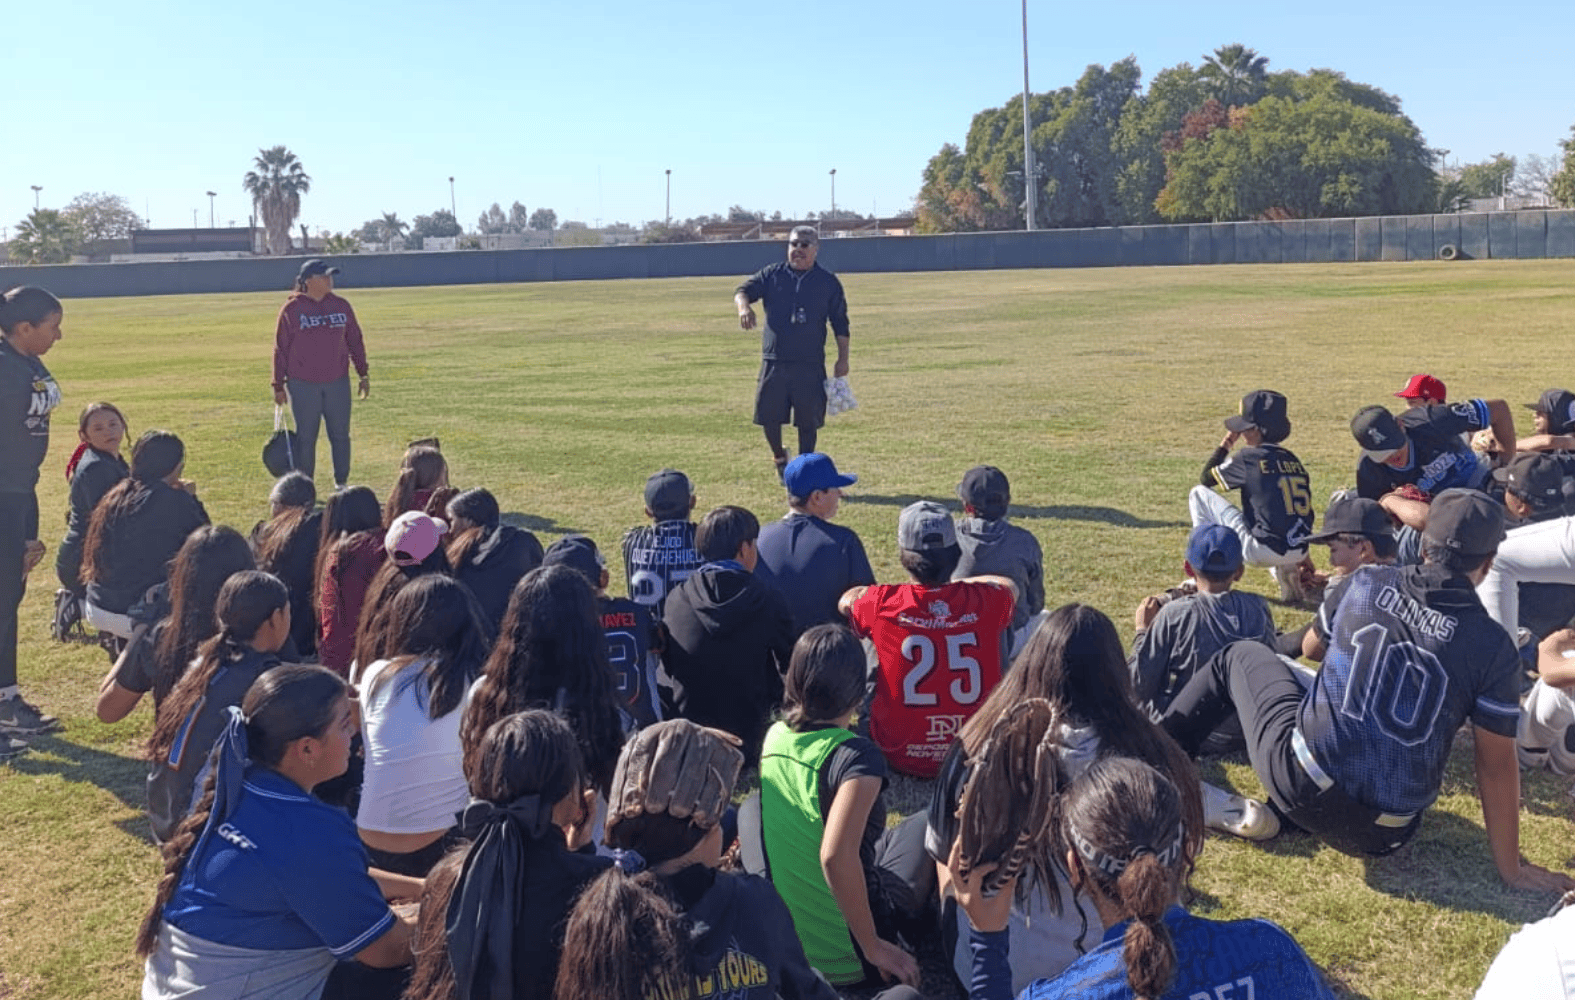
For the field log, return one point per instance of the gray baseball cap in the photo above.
(925, 526)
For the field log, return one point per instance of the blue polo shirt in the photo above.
(283, 872)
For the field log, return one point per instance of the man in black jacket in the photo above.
(730, 635)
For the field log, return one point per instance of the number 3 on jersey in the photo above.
(919, 650)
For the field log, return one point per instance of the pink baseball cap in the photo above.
(412, 537)
(1424, 387)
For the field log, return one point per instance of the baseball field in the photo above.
(1099, 392)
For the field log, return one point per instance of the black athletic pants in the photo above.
(1266, 696)
(18, 525)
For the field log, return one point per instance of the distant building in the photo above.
(778, 229)
(192, 244)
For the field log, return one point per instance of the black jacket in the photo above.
(503, 556)
(730, 636)
(96, 474)
(138, 547)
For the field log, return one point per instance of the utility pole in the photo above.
(1030, 175)
(667, 213)
(452, 204)
(833, 195)
(211, 195)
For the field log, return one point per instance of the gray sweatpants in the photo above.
(328, 402)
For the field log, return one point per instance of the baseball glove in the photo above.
(677, 768)
(1411, 491)
(1006, 815)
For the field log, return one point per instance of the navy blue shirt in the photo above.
(1439, 457)
(1412, 655)
(799, 304)
(813, 563)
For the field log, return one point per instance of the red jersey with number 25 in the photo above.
(940, 654)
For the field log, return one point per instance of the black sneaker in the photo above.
(19, 718)
(11, 746)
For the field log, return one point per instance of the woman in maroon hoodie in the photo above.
(317, 340)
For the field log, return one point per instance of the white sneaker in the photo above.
(1237, 815)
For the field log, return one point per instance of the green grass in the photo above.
(1099, 391)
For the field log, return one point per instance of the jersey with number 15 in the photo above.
(941, 653)
(1276, 500)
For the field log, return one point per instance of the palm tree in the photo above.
(393, 228)
(276, 186)
(1235, 73)
(46, 236)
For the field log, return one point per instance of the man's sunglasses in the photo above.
(801, 244)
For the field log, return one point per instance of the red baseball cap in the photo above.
(1424, 387)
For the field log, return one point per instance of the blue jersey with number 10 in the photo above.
(1412, 655)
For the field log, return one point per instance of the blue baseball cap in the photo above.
(1214, 549)
(814, 471)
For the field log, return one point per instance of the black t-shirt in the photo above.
(856, 758)
(135, 672)
(1276, 501)
(1439, 458)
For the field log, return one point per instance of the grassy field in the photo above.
(1100, 392)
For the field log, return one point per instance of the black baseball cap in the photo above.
(1558, 405)
(1378, 432)
(668, 495)
(1535, 477)
(1353, 516)
(985, 489)
(1467, 521)
(316, 266)
(1264, 410)
(578, 552)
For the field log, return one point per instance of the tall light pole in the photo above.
(833, 194)
(1030, 175)
(453, 206)
(194, 218)
(36, 188)
(667, 213)
(211, 195)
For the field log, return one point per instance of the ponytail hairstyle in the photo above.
(154, 458)
(477, 510)
(525, 765)
(423, 469)
(26, 304)
(246, 602)
(287, 703)
(551, 653)
(1123, 819)
(295, 496)
(825, 678)
(206, 560)
(374, 626)
(436, 619)
(1075, 661)
(348, 512)
(626, 939)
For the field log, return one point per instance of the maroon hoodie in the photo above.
(317, 341)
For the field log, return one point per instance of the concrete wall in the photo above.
(1527, 234)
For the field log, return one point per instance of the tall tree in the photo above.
(46, 236)
(1562, 187)
(390, 228)
(1487, 179)
(1319, 158)
(493, 221)
(276, 184)
(544, 218)
(519, 219)
(101, 216)
(439, 223)
(1236, 74)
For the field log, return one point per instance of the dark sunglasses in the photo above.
(803, 244)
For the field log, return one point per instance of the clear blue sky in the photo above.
(581, 106)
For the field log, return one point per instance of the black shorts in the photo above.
(798, 387)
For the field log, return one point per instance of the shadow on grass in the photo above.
(532, 522)
(1068, 512)
(1449, 865)
(123, 777)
